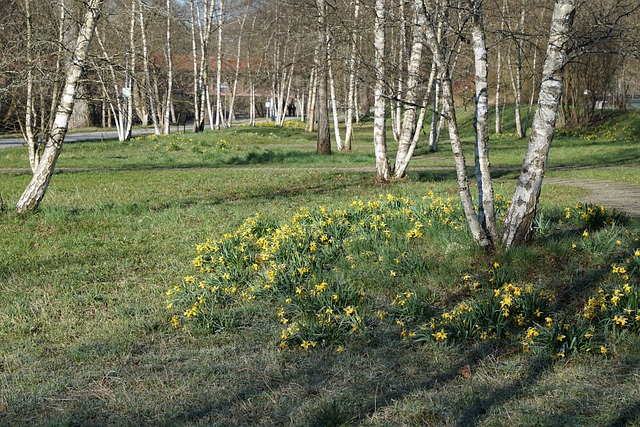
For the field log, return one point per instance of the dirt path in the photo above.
(621, 196)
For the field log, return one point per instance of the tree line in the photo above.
(409, 63)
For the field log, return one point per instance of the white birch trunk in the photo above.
(521, 214)
(486, 209)
(406, 146)
(149, 89)
(498, 124)
(425, 102)
(348, 137)
(220, 119)
(196, 80)
(383, 170)
(35, 191)
(114, 102)
(334, 106)
(449, 113)
(169, 96)
(237, 73)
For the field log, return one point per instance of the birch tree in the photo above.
(524, 204)
(324, 135)
(37, 188)
(486, 210)
(407, 143)
(168, 101)
(449, 112)
(383, 170)
(220, 119)
(351, 100)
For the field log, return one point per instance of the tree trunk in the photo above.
(334, 105)
(324, 135)
(351, 102)
(449, 113)
(406, 145)
(237, 72)
(521, 214)
(168, 99)
(425, 102)
(37, 188)
(486, 210)
(196, 80)
(154, 102)
(498, 125)
(220, 119)
(383, 171)
(29, 118)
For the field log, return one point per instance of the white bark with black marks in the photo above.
(522, 212)
(37, 188)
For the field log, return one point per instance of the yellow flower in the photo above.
(441, 335)
(585, 233)
(603, 350)
(349, 310)
(340, 349)
(620, 320)
(306, 344)
(561, 337)
(496, 265)
(392, 273)
(549, 321)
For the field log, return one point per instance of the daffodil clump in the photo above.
(328, 277)
(590, 216)
(498, 313)
(315, 270)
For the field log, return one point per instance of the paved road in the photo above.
(111, 134)
(77, 136)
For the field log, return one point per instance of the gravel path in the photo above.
(621, 196)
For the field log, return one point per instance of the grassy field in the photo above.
(87, 338)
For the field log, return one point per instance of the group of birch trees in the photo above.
(414, 61)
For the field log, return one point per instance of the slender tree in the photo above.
(521, 214)
(35, 191)
(324, 135)
(383, 170)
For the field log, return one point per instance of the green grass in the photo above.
(85, 338)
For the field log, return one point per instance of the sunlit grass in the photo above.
(86, 336)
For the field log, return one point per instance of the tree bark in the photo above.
(220, 119)
(383, 171)
(169, 97)
(449, 113)
(37, 188)
(150, 89)
(521, 214)
(406, 145)
(486, 209)
(498, 124)
(324, 135)
(351, 101)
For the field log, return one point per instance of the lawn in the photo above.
(96, 288)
